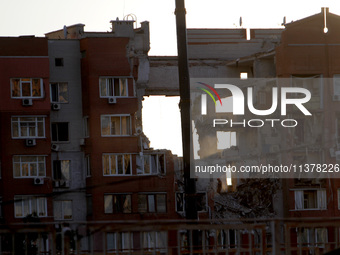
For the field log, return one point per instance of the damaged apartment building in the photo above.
(73, 152)
(304, 54)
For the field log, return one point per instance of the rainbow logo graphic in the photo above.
(209, 93)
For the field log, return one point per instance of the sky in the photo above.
(37, 17)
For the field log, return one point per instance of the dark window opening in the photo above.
(59, 61)
(60, 132)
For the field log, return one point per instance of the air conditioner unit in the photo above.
(82, 141)
(112, 100)
(27, 102)
(56, 184)
(55, 107)
(336, 98)
(30, 142)
(55, 147)
(38, 181)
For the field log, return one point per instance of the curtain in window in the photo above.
(322, 200)
(298, 194)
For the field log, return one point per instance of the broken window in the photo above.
(152, 203)
(28, 127)
(151, 164)
(29, 166)
(115, 125)
(27, 88)
(61, 170)
(113, 87)
(310, 199)
(117, 164)
(119, 241)
(117, 203)
(60, 132)
(62, 210)
(59, 92)
(30, 205)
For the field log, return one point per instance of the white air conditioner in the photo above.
(55, 107)
(38, 181)
(27, 102)
(55, 147)
(30, 142)
(82, 141)
(112, 100)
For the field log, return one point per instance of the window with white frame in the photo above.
(27, 87)
(155, 240)
(116, 125)
(62, 210)
(151, 164)
(311, 199)
(30, 205)
(152, 203)
(29, 166)
(113, 87)
(28, 127)
(117, 203)
(119, 241)
(116, 164)
(61, 170)
(59, 92)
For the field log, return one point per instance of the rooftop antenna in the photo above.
(284, 21)
(325, 29)
(240, 22)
